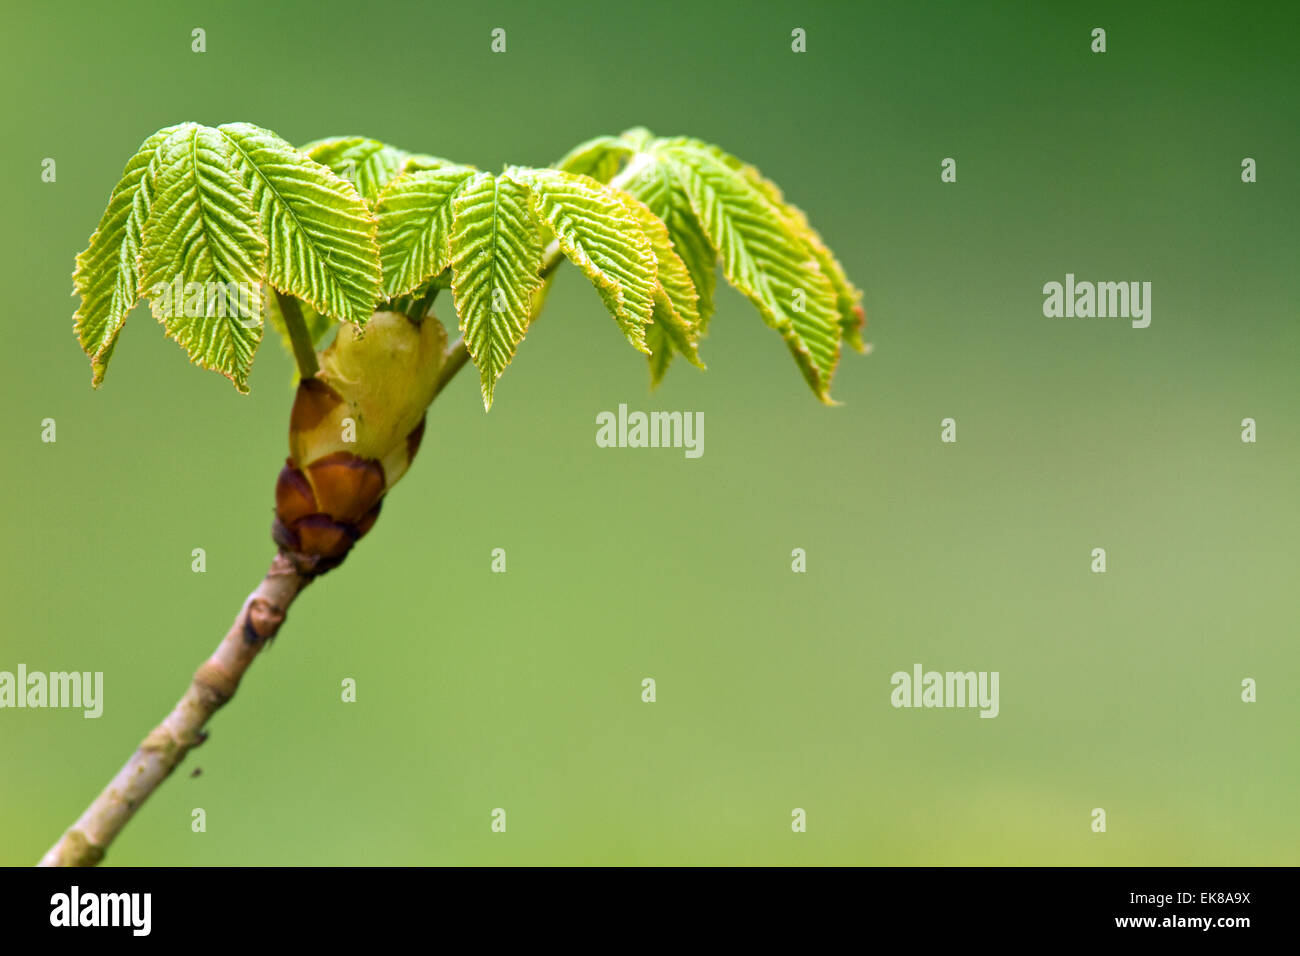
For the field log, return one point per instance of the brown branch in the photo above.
(86, 841)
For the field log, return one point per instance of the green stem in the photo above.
(303, 350)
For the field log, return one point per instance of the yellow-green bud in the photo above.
(381, 378)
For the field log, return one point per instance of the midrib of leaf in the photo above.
(496, 260)
(198, 192)
(492, 336)
(496, 200)
(256, 168)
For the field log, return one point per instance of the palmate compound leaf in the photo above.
(415, 212)
(715, 205)
(202, 259)
(496, 257)
(249, 208)
(107, 275)
(320, 233)
(600, 234)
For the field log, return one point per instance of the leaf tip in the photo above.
(98, 368)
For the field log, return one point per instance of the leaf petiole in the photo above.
(304, 352)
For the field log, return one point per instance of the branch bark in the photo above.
(214, 683)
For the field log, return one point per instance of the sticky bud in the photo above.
(329, 492)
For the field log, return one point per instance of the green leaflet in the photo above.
(415, 223)
(107, 274)
(652, 182)
(676, 312)
(600, 235)
(202, 218)
(714, 205)
(202, 258)
(848, 296)
(598, 158)
(656, 186)
(762, 258)
(366, 163)
(320, 233)
(495, 261)
(661, 352)
(241, 206)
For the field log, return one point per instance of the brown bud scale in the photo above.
(353, 432)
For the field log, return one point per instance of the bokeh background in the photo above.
(522, 690)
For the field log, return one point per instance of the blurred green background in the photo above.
(522, 690)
